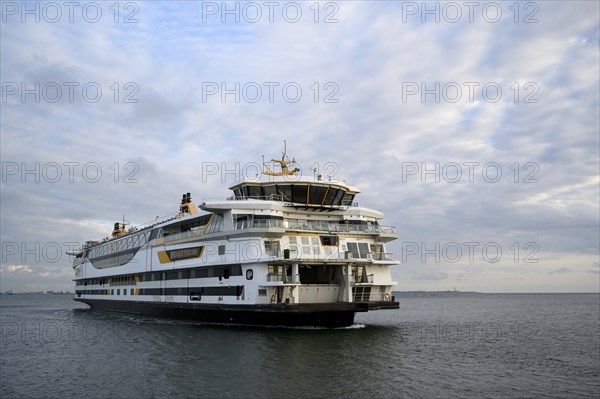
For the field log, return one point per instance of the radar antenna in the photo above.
(287, 168)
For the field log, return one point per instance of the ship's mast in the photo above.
(283, 163)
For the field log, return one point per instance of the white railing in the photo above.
(358, 255)
(272, 197)
(381, 255)
(317, 225)
(258, 224)
(274, 277)
(314, 225)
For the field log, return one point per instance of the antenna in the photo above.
(284, 150)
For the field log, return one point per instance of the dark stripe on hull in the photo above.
(318, 314)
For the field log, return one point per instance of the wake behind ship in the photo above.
(286, 250)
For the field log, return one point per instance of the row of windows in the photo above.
(195, 293)
(300, 193)
(128, 242)
(222, 272)
(204, 272)
(112, 260)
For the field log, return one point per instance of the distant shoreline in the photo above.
(465, 293)
(38, 293)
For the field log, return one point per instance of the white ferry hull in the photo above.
(278, 252)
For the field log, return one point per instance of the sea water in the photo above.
(452, 345)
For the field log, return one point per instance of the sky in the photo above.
(474, 127)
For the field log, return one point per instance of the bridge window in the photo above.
(300, 193)
(348, 198)
(317, 194)
(269, 191)
(254, 191)
(286, 191)
(330, 197)
(338, 197)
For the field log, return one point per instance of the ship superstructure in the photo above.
(285, 250)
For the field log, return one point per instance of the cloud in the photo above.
(18, 269)
(372, 132)
(562, 270)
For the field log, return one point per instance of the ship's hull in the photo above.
(329, 315)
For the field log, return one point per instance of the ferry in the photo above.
(283, 250)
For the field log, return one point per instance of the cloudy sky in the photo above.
(474, 128)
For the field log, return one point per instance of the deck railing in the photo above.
(258, 224)
(314, 225)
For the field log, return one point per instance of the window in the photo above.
(221, 249)
(300, 192)
(118, 292)
(347, 199)
(131, 291)
(286, 192)
(358, 250)
(360, 274)
(317, 194)
(262, 292)
(331, 194)
(310, 246)
(271, 248)
(329, 240)
(377, 251)
(338, 197)
(195, 296)
(254, 191)
(216, 224)
(249, 274)
(275, 273)
(269, 191)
